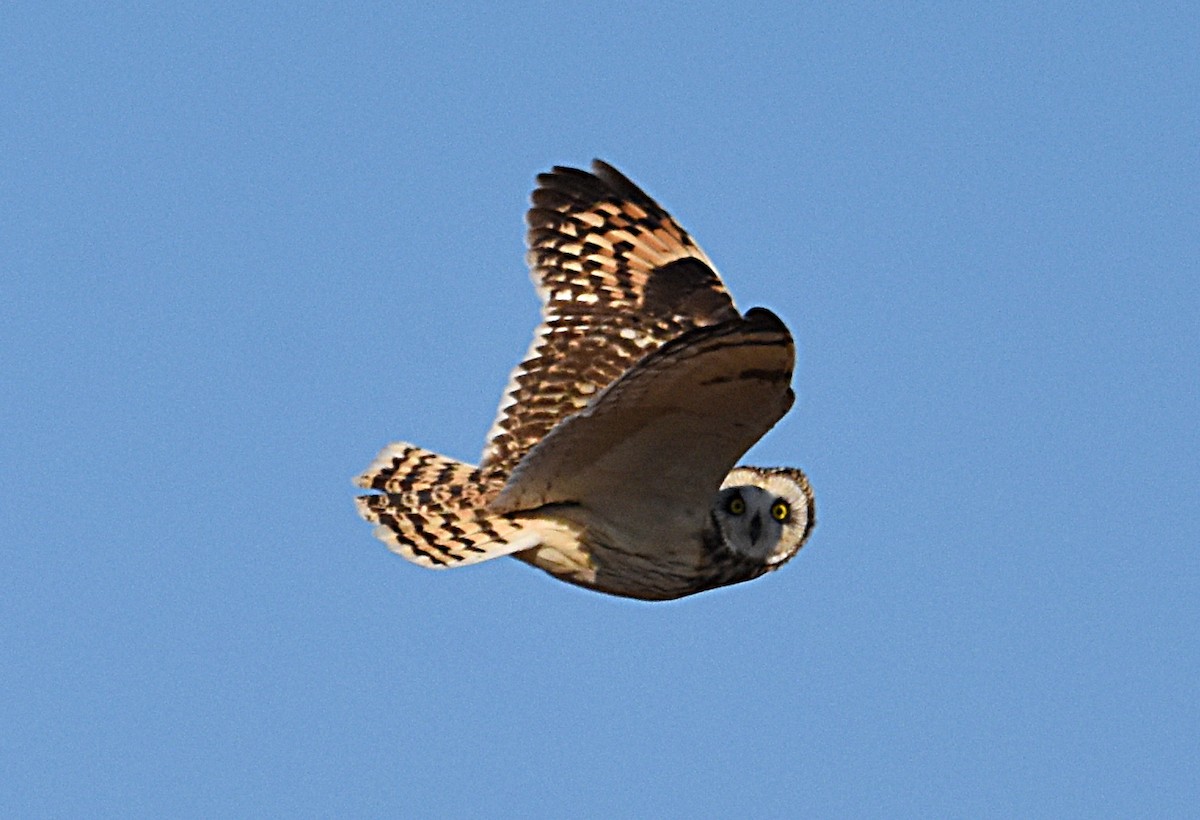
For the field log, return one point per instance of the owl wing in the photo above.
(650, 451)
(618, 278)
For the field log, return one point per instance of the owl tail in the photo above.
(433, 509)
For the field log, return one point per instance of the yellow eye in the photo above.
(780, 510)
(736, 505)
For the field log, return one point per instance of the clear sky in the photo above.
(241, 249)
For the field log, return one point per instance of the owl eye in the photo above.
(780, 510)
(736, 505)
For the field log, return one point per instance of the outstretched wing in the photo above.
(618, 278)
(649, 453)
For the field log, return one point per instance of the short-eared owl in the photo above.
(611, 463)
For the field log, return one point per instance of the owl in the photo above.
(611, 462)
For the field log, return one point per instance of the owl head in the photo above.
(765, 513)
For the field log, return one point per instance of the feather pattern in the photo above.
(618, 279)
(611, 462)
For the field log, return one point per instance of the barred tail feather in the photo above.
(433, 509)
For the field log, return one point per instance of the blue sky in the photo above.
(243, 248)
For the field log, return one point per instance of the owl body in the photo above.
(609, 464)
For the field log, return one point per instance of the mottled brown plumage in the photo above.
(610, 460)
(618, 278)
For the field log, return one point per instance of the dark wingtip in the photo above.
(604, 170)
(566, 187)
(765, 318)
(619, 183)
(603, 181)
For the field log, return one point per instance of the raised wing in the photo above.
(618, 278)
(649, 453)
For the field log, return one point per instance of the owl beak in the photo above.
(755, 528)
